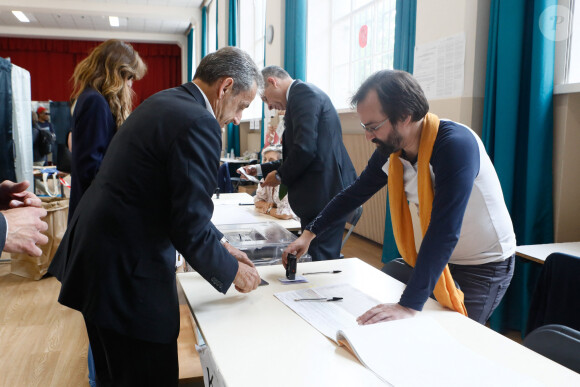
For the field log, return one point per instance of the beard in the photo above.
(392, 144)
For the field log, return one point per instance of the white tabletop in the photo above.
(235, 161)
(257, 341)
(539, 253)
(227, 210)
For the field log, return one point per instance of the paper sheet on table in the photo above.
(329, 317)
(233, 215)
(410, 352)
(232, 199)
(419, 352)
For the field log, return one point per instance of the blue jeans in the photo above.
(91, 362)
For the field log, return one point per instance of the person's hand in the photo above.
(263, 208)
(385, 312)
(247, 278)
(270, 180)
(238, 254)
(249, 170)
(14, 195)
(298, 247)
(25, 230)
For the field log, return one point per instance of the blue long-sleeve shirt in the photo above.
(462, 173)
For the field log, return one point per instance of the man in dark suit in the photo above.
(152, 195)
(315, 165)
(21, 225)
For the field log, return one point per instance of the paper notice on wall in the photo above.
(439, 67)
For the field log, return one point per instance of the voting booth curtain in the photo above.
(7, 171)
(403, 58)
(518, 133)
(15, 123)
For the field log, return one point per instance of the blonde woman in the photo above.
(102, 98)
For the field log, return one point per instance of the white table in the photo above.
(227, 210)
(539, 253)
(258, 341)
(236, 161)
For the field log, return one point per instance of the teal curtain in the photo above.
(295, 38)
(405, 19)
(190, 48)
(518, 133)
(203, 32)
(233, 130)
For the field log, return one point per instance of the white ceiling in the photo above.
(149, 19)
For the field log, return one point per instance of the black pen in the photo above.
(324, 272)
(323, 299)
(245, 204)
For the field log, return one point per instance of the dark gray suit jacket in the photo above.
(315, 165)
(152, 194)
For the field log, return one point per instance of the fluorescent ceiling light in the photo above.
(114, 21)
(20, 16)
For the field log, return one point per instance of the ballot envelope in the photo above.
(262, 242)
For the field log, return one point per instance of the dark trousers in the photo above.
(125, 361)
(483, 286)
(327, 244)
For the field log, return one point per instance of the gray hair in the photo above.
(274, 71)
(272, 148)
(230, 62)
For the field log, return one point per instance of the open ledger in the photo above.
(410, 352)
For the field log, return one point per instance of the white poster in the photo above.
(439, 67)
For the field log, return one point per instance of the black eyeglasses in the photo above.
(372, 130)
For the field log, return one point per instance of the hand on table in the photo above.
(247, 278)
(385, 312)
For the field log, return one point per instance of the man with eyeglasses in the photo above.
(466, 257)
(315, 165)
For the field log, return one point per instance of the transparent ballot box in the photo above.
(263, 242)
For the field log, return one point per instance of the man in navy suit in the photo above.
(152, 195)
(315, 165)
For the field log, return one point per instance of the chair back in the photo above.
(224, 181)
(555, 299)
(558, 343)
(352, 219)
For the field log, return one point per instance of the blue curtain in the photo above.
(203, 32)
(233, 130)
(7, 171)
(405, 19)
(518, 133)
(295, 38)
(190, 48)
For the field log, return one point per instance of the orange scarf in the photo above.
(445, 291)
